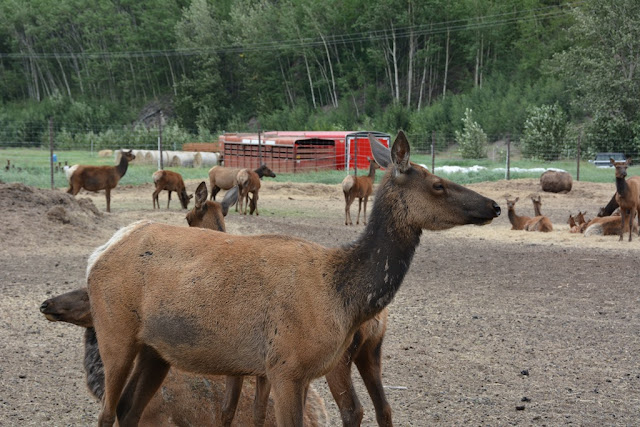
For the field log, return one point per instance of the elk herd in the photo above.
(173, 306)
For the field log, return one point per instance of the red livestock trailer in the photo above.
(299, 151)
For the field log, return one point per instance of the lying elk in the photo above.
(359, 187)
(170, 181)
(627, 196)
(223, 178)
(186, 399)
(538, 223)
(287, 313)
(95, 178)
(607, 226)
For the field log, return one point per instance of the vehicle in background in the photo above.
(603, 160)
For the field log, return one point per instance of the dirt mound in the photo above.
(30, 211)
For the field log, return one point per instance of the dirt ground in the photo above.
(491, 326)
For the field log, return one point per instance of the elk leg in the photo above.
(231, 397)
(116, 372)
(107, 192)
(347, 210)
(632, 215)
(155, 199)
(288, 396)
(147, 376)
(263, 388)
(254, 204)
(622, 222)
(341, 387)
(364, 221)
(214, 190)
(359, 209)
(369, 365)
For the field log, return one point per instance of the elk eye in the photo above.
(438, 186)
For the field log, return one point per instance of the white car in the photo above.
(603, 160)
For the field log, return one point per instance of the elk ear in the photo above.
(230, 198)
(400, 152)
(381, 154)
(201, 194)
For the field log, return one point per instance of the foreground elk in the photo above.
(95, 178)
(223, 178)
(537, 223)
(359, 187)
(275, 306)
(170, 181)
(186, 400)
(627, 196)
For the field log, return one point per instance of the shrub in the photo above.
(472, 140)
(544, 133)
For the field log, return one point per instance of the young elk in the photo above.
(538, 223)
(627, 196)
(248, 182)
(170, 181)
(223, 178)
(287, 313)
(185, 399)
(360, 187)
(95, 178)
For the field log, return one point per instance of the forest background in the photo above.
(542, 73)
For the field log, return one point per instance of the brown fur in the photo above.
(208, 214)
(288, 312)
(186, 399)
(538, 223)
(607, 226)
(95, 178)
(556, 181)
(359, 187)
(170, 181)
(627, 196)
(223, 178)
(248, 182)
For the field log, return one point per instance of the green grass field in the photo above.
(31, 167)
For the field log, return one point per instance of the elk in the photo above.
(248, 182)
(95, 178)
(573, 226)
(208, 214)
(170, 181)
(288, 312)
(611, 207)
(223, 178)
(538, 223)
(186, 399)
(627, 196)
(360, 187)
(607, 226)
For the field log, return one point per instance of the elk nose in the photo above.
(44, 306)
(496, 208)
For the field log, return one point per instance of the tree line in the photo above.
(302, 64)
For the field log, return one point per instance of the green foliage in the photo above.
(472, 140)
(544, 133)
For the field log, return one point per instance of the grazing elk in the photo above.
(287, 312)
(95, 178)
(223, 178)
(170, 181)
(538, 223)
(248, 182)
(186, 399)
(556, 181)
(627, 196)
(360, 187)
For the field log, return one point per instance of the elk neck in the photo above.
(513, 218)
(122, 166)
(369, 271)
(621, 186)
(372, 171)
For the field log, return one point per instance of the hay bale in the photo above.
(554, 181)
(105, 153)
(206, 159)
(183, 158)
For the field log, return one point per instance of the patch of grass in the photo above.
(31, 167)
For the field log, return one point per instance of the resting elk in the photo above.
(170, 181)
(186, 400)
(95, 178)
(287, 313)
(223, 178)
(627, 196)
(607, 226)
(538, 223)
(359, 187)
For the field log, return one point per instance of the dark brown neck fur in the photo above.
(122, 166)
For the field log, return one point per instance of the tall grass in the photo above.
(31, 167)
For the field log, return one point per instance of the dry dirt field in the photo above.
(491, 326)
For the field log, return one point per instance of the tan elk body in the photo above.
(170, 181)
(627, 196)
(287, 312)
(358, 187)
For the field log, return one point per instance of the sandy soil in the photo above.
(491, 326)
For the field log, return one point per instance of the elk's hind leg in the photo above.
(231, 397)
(263, 388)
(369, 363)
(116, 371)
(343, 391)
(289, 396)
(148, 374)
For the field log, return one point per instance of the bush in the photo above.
(472, 139)
(544, 133)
